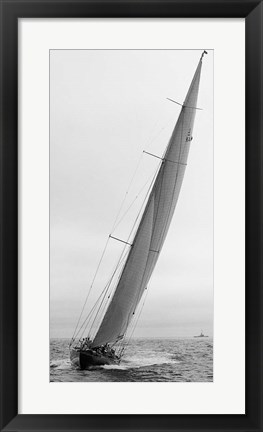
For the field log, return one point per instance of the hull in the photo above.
(87, 359)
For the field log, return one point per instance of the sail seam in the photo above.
(175, 162)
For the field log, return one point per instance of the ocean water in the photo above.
(180, 359)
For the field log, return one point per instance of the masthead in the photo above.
(204, 52)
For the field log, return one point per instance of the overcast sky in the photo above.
(106, 107)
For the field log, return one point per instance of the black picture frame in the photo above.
(11, 11)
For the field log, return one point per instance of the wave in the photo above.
(114, 367)
(138, 362)
(60, 364)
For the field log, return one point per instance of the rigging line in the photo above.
(111, 293)
(95, 305)
(115, 224)
(147, 196)
(114, 287)
(122, 341)
(154, 130)
(155, 124)
(107, 289)
(125, 345)
(88, 322)
(141, 208)
(101, 315)
(125, 341)
(94, 277)
(139, 314)
(91, 312)
(137, 196)
(135, 172)
(160, 181)
(118, 266)
(151, 140)
(126, 193)
(92, 325)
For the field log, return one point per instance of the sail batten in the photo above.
(154, 224)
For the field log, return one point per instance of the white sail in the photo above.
(154, 224)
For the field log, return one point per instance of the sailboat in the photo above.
(201, 335)
(107, 345)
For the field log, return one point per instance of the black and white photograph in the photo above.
(131, 215)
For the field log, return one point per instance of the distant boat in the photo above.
(201, 335)
(105, 341)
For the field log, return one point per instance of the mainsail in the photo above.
(154, 224)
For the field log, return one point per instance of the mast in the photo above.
(153, 227)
